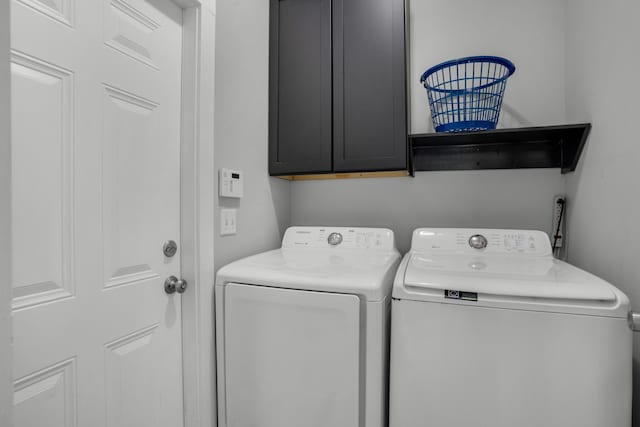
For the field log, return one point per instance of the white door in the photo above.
(289, 358)
(96, 191)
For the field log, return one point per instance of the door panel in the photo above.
(128, 172)
(300, 87)
(47, 397)
(130, 31)
(291, 358)
(369, 95)
(42, 158)
(133, 403)
(59, 10)
(96, 181)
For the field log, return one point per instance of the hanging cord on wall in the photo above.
(556, 235)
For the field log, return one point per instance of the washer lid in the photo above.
(506, 277)
(363, 263)
(501, 268)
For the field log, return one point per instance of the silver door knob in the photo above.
(173, 284)
(181, 286)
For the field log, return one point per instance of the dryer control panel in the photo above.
(481, 241)
(339, 238)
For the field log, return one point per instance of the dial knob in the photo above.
(334, 239)
(478, 241)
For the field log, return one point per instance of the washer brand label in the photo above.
(466, 296)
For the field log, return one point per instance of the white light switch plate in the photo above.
(228, 221)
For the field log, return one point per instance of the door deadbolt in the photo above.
(173, 285)
(169, 248)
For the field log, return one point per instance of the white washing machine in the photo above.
(302, 331)
(489, 330)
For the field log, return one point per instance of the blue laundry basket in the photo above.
(466, 94)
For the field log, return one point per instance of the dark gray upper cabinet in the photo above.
(337, 86)
(300, 87)
(369, 92)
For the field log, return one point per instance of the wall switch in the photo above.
(228, 221)
(230, 183)
(557, 226)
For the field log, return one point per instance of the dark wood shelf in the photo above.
(532, 147)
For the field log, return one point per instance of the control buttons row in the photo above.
(512, 242)
(348, 238)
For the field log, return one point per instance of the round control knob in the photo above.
(334, 239)
(478, 241)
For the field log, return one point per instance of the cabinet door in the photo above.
(300, 87)
(369, 107)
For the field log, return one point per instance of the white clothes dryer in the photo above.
(302, 331)
(490, 330)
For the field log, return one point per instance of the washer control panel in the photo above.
(339, 237)
(489, 241)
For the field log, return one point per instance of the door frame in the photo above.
(197, 192)
(6, 387)
(196, 223)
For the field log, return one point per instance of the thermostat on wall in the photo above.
(230, 183)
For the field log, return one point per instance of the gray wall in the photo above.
(6, 389)
(604, 195)
(529, 33)
(501, 199)
(242, 53)
(532, 35)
